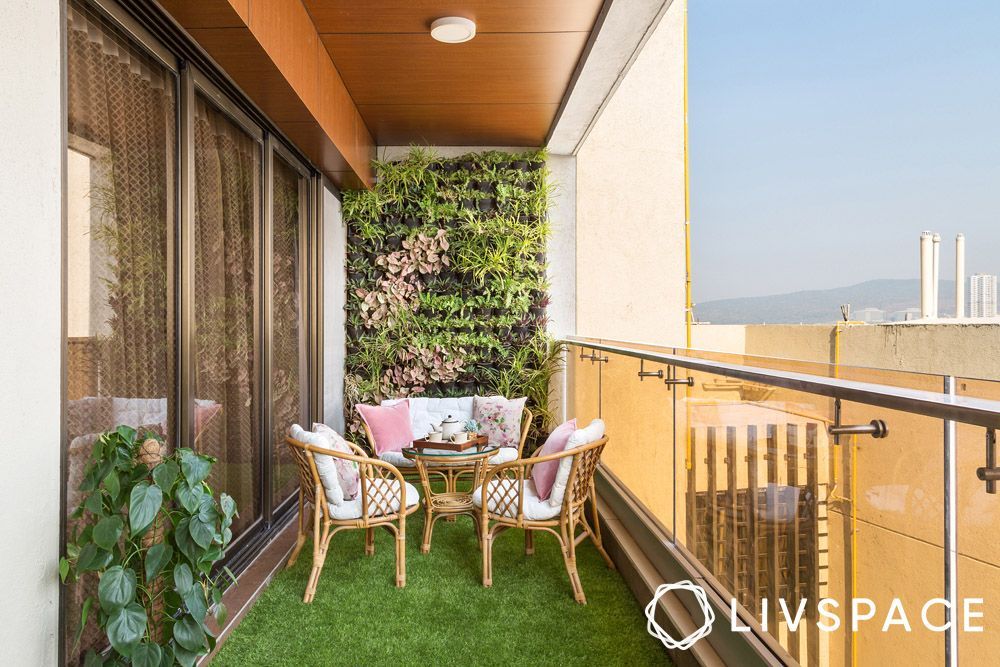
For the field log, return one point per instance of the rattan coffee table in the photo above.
(448, 503)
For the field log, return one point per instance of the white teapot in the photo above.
(450, 427)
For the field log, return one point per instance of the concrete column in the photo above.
(926, 276)
(32, 150)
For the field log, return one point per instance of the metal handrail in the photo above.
(963, 409)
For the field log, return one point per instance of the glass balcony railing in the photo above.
(736, 459)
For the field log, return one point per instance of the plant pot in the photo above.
(467, 165)
(540, 257)
(449, 167)
(391, 219)
(535, 166)
(411, 222)
(355, 276)
(394, 242)
(487, 204)
(354, 240)
(530, 186)
(487, 187)
(434, 166)
(519, 165)
(468, 204)
(538, 311)
(503, 165)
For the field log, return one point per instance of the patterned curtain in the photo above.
(121, 357)
(287, 352)
(227, 208)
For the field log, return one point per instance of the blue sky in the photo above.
(825, 136)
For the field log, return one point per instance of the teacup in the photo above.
(435, 436)
(460, 437)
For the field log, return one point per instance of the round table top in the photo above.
(472, 452)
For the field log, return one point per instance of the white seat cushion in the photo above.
(535, 509)
(427, 413)
(397, 459)
(503, 455)
(351, 509)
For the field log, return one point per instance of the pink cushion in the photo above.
(544, 474)
(390, 426)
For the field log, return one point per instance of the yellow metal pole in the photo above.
(688, 306)
(688, 313)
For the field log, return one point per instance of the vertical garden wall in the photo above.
(446, 288)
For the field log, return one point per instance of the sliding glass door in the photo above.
(289, 359)
(227, 216)
(188, 282)
(121, 222)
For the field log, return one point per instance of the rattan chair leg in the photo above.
(300, 539)
(595, 531)
(529, 542)
(425, 547)
(401, 559)
(369, 541)
(487, 556)
(569, 556)
(321, 542)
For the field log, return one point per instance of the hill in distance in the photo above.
(822, 306)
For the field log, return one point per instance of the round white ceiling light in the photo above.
(453, 29)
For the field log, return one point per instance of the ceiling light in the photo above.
(453, 29)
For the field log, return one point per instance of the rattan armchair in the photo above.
(383, 500)
(451, 473)
(506, 501)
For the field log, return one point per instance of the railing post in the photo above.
(950, 535)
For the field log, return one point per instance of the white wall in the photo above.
(334, 282)
(630, 200)
(31, 200)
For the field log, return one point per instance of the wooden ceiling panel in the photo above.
(512, 68)
(214, 14)
(460, 124)
(240, 54)
(389, 16)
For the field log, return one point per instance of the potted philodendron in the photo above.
(151, 530)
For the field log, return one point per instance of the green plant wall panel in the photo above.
(446, 287)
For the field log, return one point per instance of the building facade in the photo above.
(983, 295)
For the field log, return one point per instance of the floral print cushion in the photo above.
(500, 419)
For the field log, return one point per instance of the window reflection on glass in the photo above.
(227, 215)
(288, 375)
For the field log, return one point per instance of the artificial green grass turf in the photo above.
(444, 616)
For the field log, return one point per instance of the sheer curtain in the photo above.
(288, 376)
(227, 215)
(120, 222)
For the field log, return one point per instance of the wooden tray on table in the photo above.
(478, 441)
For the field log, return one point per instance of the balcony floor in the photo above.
(444, 615)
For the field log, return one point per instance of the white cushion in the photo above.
(138, 412)
(351, 509)
(324, 464)
(426, 413)
(397, 459)
(503, 455)
(581, 436)
(534, 507)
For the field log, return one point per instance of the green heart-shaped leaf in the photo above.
(165, 475)
(107, 531)
(126, 627)
(189, 634)
(158, 555)
(116, 589)
(194, 467)
(147, 655)
(144, 503)
(183, 578)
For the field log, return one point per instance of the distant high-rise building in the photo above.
(983, 295)
(870, 315)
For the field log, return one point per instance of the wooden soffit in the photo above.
(271, 49)
(503, 87)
